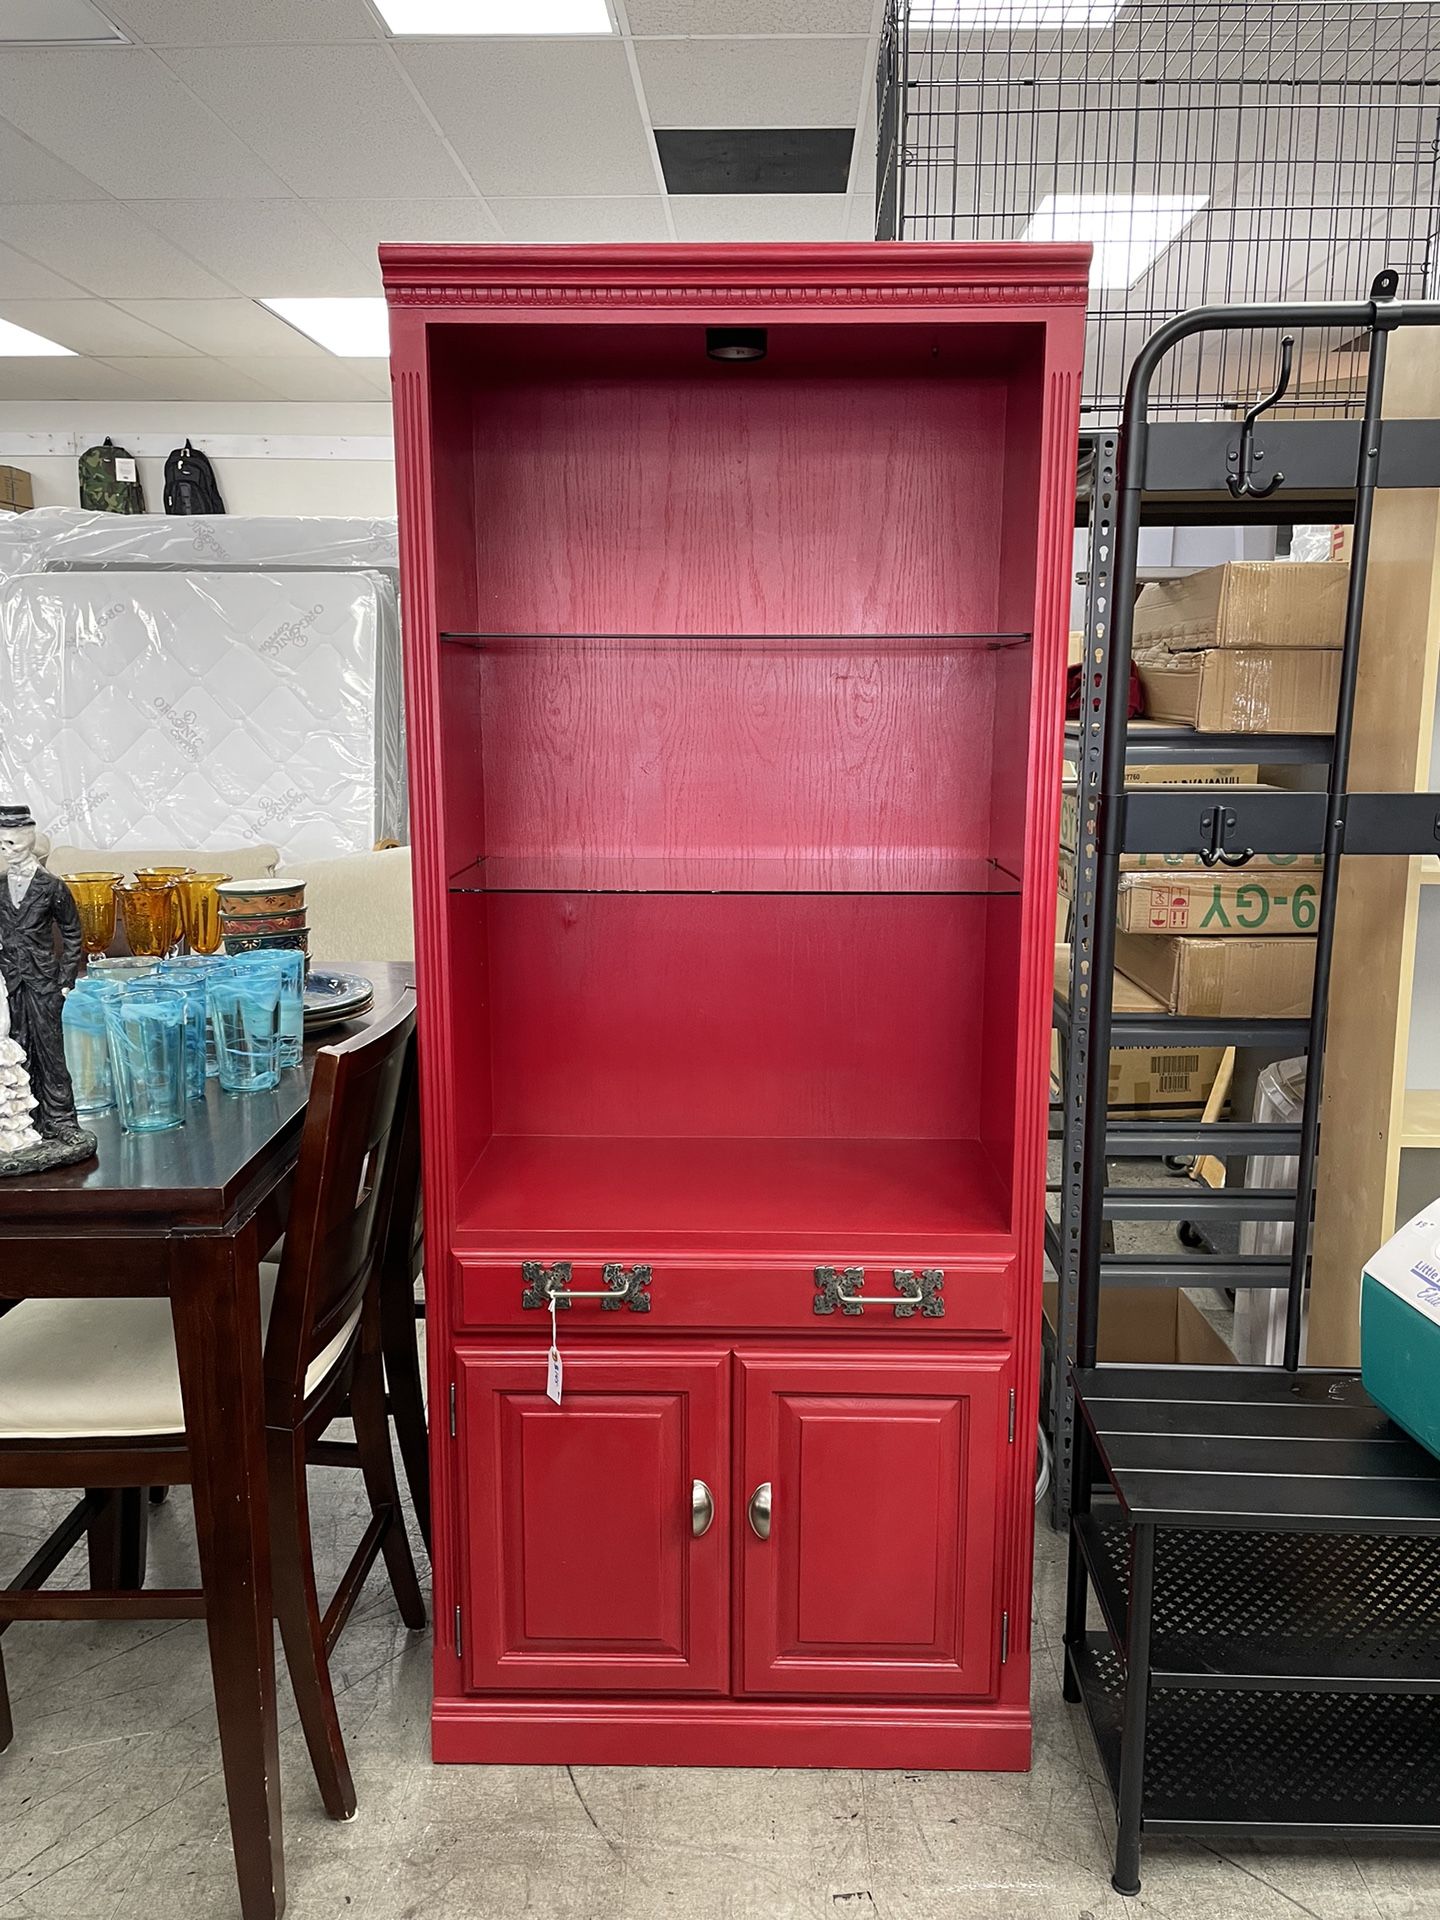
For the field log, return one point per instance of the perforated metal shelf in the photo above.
(1273, 1763)
(1278, 1611)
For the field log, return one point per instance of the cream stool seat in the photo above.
(100, 1369)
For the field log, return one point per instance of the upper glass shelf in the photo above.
(888, 871)
(748, 643)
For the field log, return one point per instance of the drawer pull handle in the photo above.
(920, 1289)
(624, 1286)
(702, 1509)
(759, 1511)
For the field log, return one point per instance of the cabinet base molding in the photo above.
(733, 1733)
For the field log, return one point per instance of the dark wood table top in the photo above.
(196, 1176)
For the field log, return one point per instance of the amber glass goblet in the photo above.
(95, 901)
(200, 910)
(159, 877)
(149, 911)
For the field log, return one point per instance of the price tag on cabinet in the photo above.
(555, 1371)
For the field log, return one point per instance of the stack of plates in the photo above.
(331, 998)
(260, 914)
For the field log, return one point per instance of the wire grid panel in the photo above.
(1211, 150)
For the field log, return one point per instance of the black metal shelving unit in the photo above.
(1320, 487)
(1261, 1545)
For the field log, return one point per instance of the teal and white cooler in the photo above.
(1400, 1328)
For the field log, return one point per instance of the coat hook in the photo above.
(1242, 484)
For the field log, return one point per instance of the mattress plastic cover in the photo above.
(64, 539)
(204, 708)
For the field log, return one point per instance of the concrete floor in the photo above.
(112, 1806)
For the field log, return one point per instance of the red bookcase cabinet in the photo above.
(735, 693)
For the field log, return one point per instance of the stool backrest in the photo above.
(342, 1204)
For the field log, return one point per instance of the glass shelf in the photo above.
(748, 643)
(888, 872)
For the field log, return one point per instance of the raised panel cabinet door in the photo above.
(869, 1566)
(596, 1532)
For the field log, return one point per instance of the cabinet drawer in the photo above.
(658, 1294)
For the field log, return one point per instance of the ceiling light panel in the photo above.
(19, 343)
(1128, 231)
(354, 329)
(1011, 16)
(472, 19)
(47, 22)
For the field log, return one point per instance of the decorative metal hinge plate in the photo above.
(842, 1287)
(835, 1285)
(628, 1285)
(542, 1281)
(922, 1289)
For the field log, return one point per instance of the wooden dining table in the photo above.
(190, 1213)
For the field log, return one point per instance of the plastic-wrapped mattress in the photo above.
(204, 707)
(64, 539)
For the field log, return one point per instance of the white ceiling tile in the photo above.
(750, 16)
(127, 124)
(196, 379)
(91, 326)
(103, 248)
(66, 380)
(22, 279)
(204, 23)
(28, 172)
(332, 121)
(759, 216)
(365, 224)
(578, 220)
(262, 247)
(324, 378)
(377, 371)
(860, 220)
(753, 83)
(530, 116)
(225, 328)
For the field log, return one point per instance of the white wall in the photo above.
(261, 482)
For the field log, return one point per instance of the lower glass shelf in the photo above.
(844, 870)
(815, 1194)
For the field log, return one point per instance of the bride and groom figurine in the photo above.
(40, 955)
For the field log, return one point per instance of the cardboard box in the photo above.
(1142, 1326)
(16, 493)
(1217, 774)
(1206, 904)
(1245, 604)
(1172, 862)
(1275, 691)
(1173, 1080)
(1258, 978)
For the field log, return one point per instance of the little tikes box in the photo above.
(1400, 1328)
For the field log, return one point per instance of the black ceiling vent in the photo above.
(756, 159)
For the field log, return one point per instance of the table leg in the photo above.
(214, 1300)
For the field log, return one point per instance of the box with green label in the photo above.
(1400, 1328)
(1234, 902)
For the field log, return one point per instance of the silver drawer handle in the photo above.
(702, 1508)
(624, 1286)
(759, 1511)
(922, 1291)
